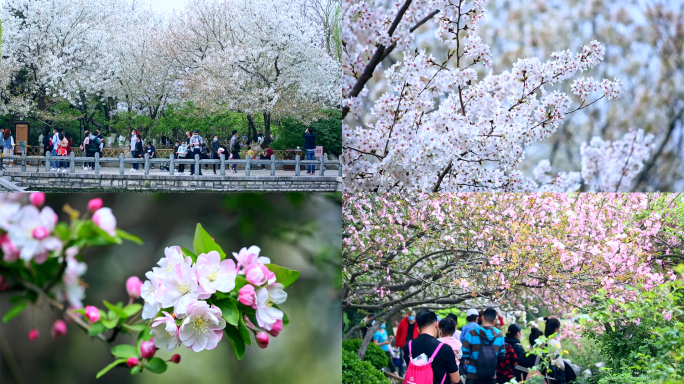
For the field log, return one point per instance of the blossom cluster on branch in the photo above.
(436, 126)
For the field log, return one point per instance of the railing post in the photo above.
(38, 165)
(97, 163)
(72, 163)
(198, 170)
(248, 165)
(323, 165)
(121, 163)
(23, 161)
(171, 165)
(223, 164)
(339, 168)
(147, 164)
(297, 166)
(273, 165)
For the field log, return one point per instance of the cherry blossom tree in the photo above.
(441, 250)
(432, 126)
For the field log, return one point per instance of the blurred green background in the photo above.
(297, 231)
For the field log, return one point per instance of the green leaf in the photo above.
(15, 311)
(124, 351)
(96, 328)
(235, 339)
(17, 298)
(119, 312)
(135, 328)
(110, 366)
(145, 334)
(127, 236)
(284, 276)
(229, 310)
(135, 370)
(81, 311)
(244, 332)
(111, 321)
(132, 309)
(240, 282)
(155, 365)
(203, 243)
(187, 252)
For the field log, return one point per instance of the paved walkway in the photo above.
(157, 172)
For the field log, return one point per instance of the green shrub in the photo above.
(374, 354)
(355, 371)
(328, 133)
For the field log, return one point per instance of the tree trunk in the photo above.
(367, 339)
(251, 128)
(267, 129)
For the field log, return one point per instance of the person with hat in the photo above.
(472, 316)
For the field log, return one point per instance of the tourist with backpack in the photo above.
(235, 149)
(483, 348)
(505, 371)
(447, 328)
(472, 317)
(428, 360)
(407, 330)
(523, 362)
(380, 338)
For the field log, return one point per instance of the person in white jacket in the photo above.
(7, 147)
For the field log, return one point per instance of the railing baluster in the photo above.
(121, 163)
(297, 166)
(273, 165)
(323, 165)
(72, 164)
(198, 166)
(97, 163)
(248, 165)
(171, 164)
(147, 164)
(223, 164)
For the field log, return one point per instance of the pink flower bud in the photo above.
(133, 285)
(276, 328)
(37, 199)
(131, 362)
(258, 274)
(59, 328)
(95, 204)
(40, 233)
(247, 296)
(175, 358)
(92, 313)
(147, 349)
(33, 334)
(262, 339)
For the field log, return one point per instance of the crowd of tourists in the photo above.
(428, 349)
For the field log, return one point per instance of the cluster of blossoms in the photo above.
(477, 135)
(182, 287)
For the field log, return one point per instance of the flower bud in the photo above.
(59, 328)
(258, 274)
(37, 199)
(131, 362)
(262, 339)
(92, 313)
(95, 204)
(147, 349)
(175, 358)
(276, 328)
(40, 233)
(104, 219)
(247, 296)
(133, 285)
(33, 334)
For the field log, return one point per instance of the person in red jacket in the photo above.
(406, 331)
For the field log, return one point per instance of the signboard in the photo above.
(21, 134)
(319, 152)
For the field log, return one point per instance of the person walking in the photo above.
(134, 155)
(62, 146)
(447, 328)
(137, 152)
(215, 145)
(457, 333)
(310, 148)
(483, 348)
(181, 152)
(195, 149)
(151, 151)
(523, 362)
(235, 149)
(506, 369)
(444, 367)
(7, 147)
(47, 144)
(472, 317)
(380, 338)
(407, 330)
(85, 148)
(557, 364)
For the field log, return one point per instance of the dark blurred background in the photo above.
(297, 231)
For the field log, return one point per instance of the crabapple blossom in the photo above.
(133, 285)
(33, 334)
(10, 252)
(214, 274)
(92, 313)
(247, 295)
(37, 199)
(59, 328)
(258, 274)
(181, 288)
(176, 358)
(248, 256)
(172, 256)
(266, 313)
(262, 339)
(202, 327)
(165, 332)
(276, 328)
(31, 233)
(95, 204)
(152, 292)
(104, 219)
(132, 362)
(147, 349)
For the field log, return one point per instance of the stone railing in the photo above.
(33, 151)
(146, 162)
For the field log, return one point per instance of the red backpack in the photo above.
(506, 367)
(422, 374)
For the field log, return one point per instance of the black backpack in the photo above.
(94, 145)
(236, 146)
(487, 359)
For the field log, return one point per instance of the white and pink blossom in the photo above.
(165, 332)
(182, 288)
(266, 313)
(214, 274)
(202, 327)
(31, 233)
